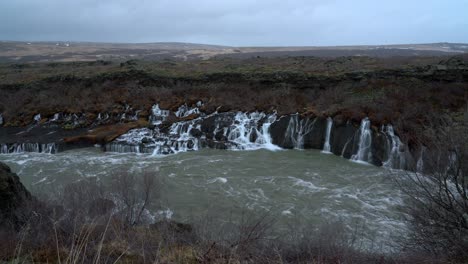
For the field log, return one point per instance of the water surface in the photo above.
(290, 184)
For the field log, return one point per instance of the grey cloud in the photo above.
(241, 22)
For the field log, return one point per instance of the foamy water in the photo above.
(290, 184)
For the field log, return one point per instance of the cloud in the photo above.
(236, 22)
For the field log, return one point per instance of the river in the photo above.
(290, 184)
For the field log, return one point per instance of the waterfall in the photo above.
(49, 148)
(251, 131)
(364, 153)
(326, 145)
(420, 163)
(298, 129)
(3, 149)
(241, 131)
(180, 139)
(102, 117)
(265, 138)
(135, 116)
(55, 118)
(1, 120)
(118, 147)
(131, 141)
(395, 158)
(184, 110)
(452, 163)
(37, 118)
(158, 115)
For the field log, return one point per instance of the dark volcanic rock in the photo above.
(379, 148)
(217, 121)
(13, 198)
(344, 139)
(103, 134)
(316, 137)
(278, 132)
(289, 130)
(214, 144)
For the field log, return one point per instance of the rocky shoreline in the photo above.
(190, 129)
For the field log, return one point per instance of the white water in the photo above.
(420, 163)
(55, 118)
(158, 115)
(180, 139)
(296, 187)
(1, 120)
(184, 110)
(239, 131)
(365, 142)
(3, 149)
(242, 131)
(326, 145)
(298, 129)
(145, 140)
(245, 132)
(37, 118)
(48, 148)
(396, 158)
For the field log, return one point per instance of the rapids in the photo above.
(289, 184)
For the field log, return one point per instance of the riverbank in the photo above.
(178, 102)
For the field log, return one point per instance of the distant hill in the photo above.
(19, 52)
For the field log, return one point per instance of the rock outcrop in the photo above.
(14, 198)
(189, 128)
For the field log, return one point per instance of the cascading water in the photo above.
(226, 130)
(55, 118)
(251, 131)
(131, 141)
(364, 153)
(395, 158)
(420, 162)
(266, 136)
(145, 140)
(49, 148)
(37, 118)
(326, 145)
(184, 110)
(3, 149)
(102, 117)
(242, 131)
(180, 138)
(298, 129)
(135, 116)
(158, 115)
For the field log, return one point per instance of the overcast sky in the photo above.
(237, 22)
